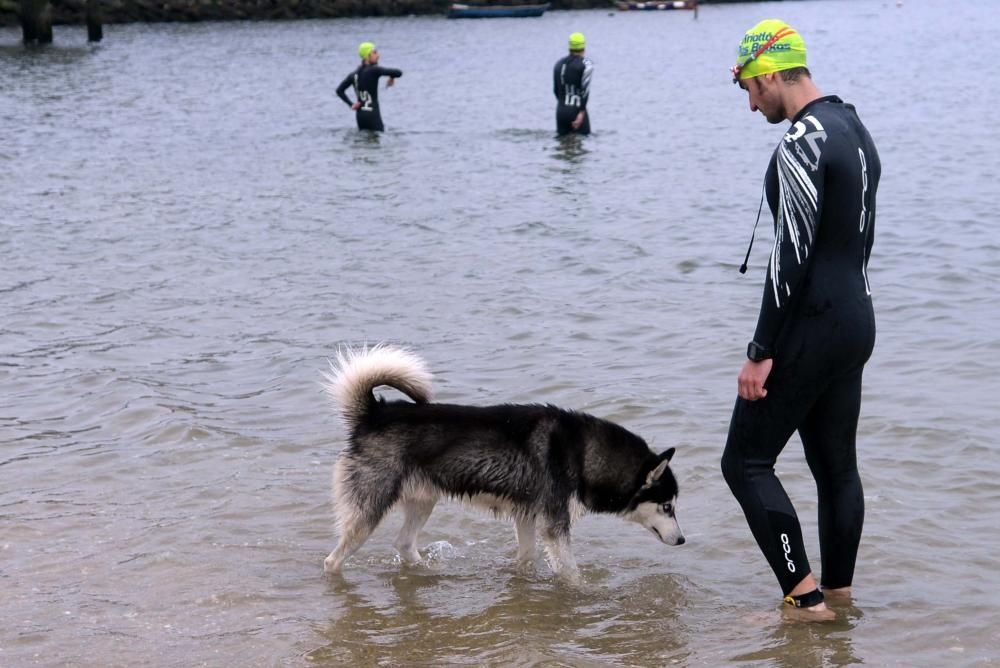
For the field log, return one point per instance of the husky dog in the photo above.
(538, 465)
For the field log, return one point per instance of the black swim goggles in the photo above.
(781, 34)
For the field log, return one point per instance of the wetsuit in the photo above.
(817, 321)
(572, 88)
(365, 82)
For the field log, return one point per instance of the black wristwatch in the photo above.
(757, 352)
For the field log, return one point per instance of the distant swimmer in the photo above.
(365, 83)
(572, 88)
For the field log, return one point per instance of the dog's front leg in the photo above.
(560, 554)
(525, 528)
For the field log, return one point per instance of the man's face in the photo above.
(373, 57)
(765, 96)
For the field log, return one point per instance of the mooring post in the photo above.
(29, 30)
(94, 30)
(36, 21)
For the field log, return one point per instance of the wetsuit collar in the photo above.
(818, 100)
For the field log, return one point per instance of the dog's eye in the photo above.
(667, 508)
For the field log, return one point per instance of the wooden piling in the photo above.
(95, 32)
(33, 29)
(36, 21)
(28, 29)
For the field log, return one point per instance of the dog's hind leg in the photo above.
(416, 510)
(525, 528)
(357, 515)
(352, 536)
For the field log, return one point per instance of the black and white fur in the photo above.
(541, 466)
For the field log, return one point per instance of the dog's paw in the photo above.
(410, 557)
(569, 576)
(331, 565)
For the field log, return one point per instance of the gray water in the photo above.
(190, 225)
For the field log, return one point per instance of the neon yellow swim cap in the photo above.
(577, 42)
(783, 49)
(365, 49)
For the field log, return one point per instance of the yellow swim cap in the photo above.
(577, 42)
(770, 46)
(365, 49)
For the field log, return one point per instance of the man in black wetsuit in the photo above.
(816, 327)
(572, 88)
(365, 83)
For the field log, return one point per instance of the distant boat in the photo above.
(457, 11)
(654, 5)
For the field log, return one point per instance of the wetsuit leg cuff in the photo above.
(807, 600)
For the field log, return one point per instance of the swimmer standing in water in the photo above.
(365, 83)
(816, 326)
(571, 85)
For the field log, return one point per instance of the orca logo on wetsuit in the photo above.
(864, 191)
(788, 551)
(864, 215)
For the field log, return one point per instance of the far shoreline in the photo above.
(70, 12)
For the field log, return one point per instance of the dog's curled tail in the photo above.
(356, 373)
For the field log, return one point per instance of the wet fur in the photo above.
(539, 465)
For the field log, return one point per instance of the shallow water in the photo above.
(191, 225)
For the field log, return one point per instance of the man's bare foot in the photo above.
(806, 605)
(814, 613)
(838, 594)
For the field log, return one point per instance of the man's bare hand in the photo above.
(752, 377)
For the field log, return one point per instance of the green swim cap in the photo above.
(365, 49)
(577, 42)
(783, 53)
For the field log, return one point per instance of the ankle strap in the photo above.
(806, 600)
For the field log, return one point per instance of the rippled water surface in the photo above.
(190, 225)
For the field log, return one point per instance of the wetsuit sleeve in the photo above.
(389, 72)
(801, 167)
(555, 80)
(588, 72)
(342, 89)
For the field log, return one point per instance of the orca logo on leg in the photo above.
(788, 551)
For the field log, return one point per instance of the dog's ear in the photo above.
(655, 474)
(667, 454)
